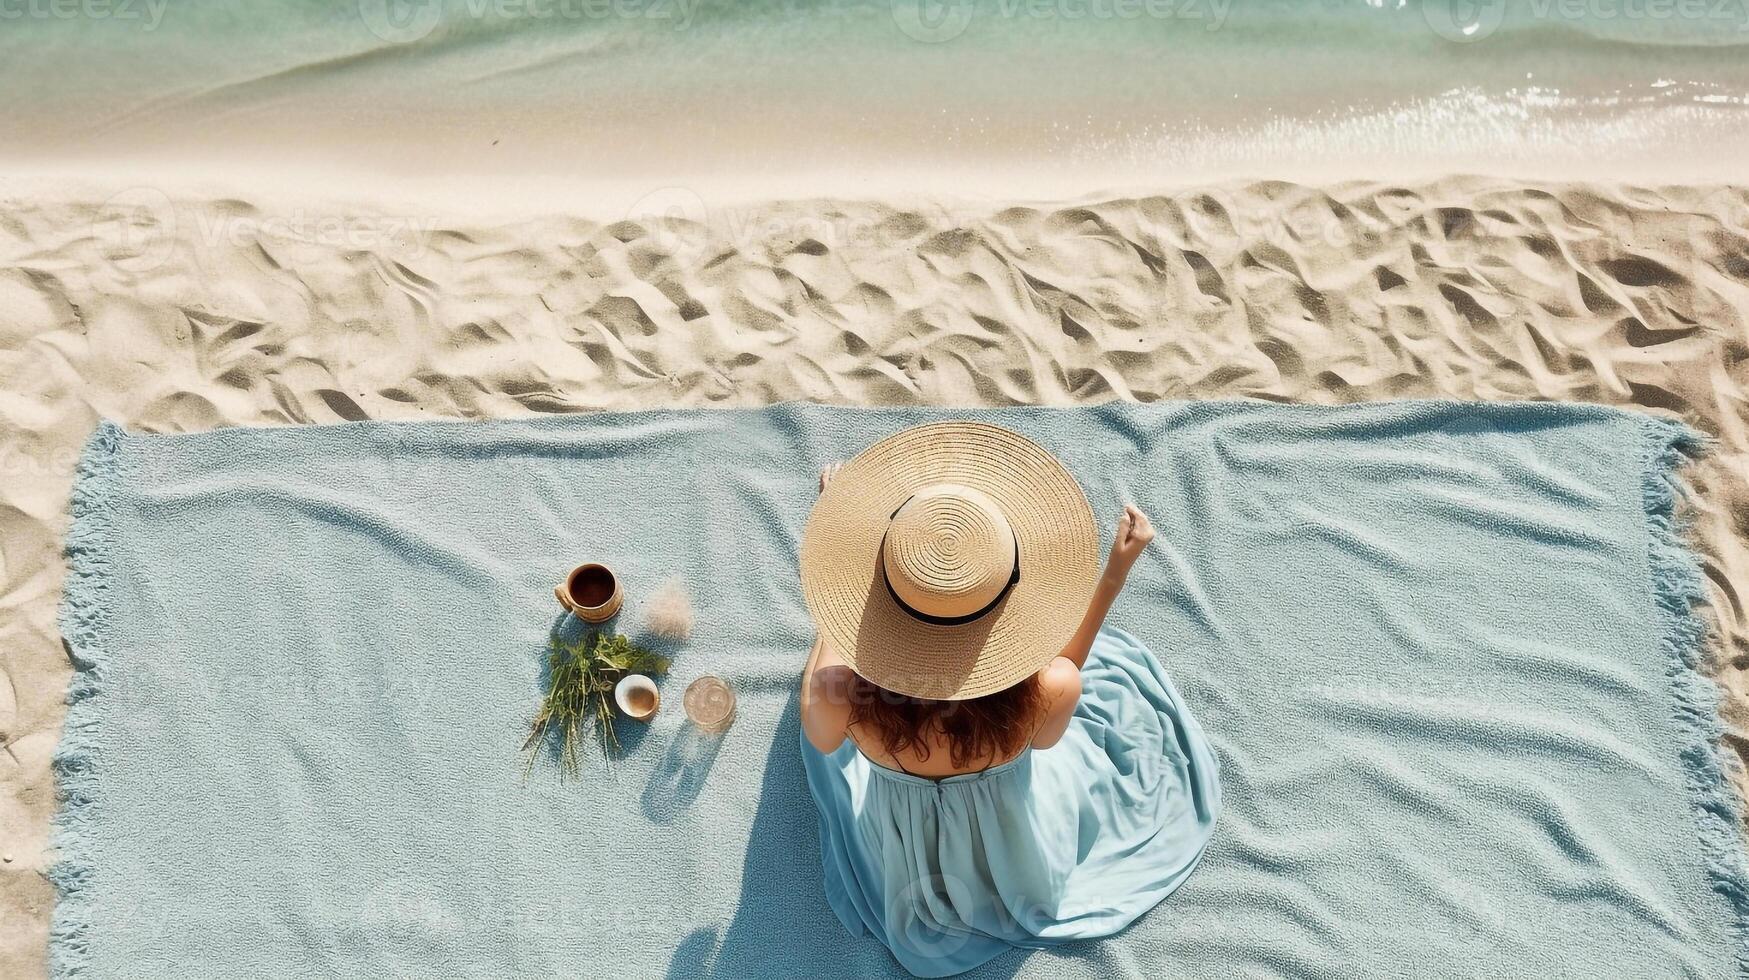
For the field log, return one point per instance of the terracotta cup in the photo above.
(591, 592)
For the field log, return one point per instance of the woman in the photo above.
(993, 768)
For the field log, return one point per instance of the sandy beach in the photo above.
(180, 311)
(281, 212)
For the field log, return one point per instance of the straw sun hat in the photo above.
(950, 560)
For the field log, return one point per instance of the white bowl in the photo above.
(627, 686)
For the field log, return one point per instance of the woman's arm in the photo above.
(1134, 531)
(1061, 679)
(825, 698)
(825, 680)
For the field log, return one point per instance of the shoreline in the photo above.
(721, 201)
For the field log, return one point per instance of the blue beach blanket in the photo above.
(1444, 652)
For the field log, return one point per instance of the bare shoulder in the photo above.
(1059, 677)
(1060, 684)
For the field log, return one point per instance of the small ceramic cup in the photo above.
(637, 697)
(591, 592)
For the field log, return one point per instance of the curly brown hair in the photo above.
(995, 726)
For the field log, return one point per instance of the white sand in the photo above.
(250, 313)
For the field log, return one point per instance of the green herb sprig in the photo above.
(580, 678)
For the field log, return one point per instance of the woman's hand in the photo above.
(1134, 531)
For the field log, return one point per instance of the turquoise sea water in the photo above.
(1097, 90)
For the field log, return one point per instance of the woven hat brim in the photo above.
(845, 592)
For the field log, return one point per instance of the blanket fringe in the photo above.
(1678, 583)
(1677, 579)
(84, 625)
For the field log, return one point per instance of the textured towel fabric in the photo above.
(1051, 847)
(1442, 651)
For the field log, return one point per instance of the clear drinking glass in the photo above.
(710, 703)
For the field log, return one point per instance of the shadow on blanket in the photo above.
(782, 924)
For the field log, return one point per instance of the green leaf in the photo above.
(581, 675)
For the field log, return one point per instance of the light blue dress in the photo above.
(1060, 844)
